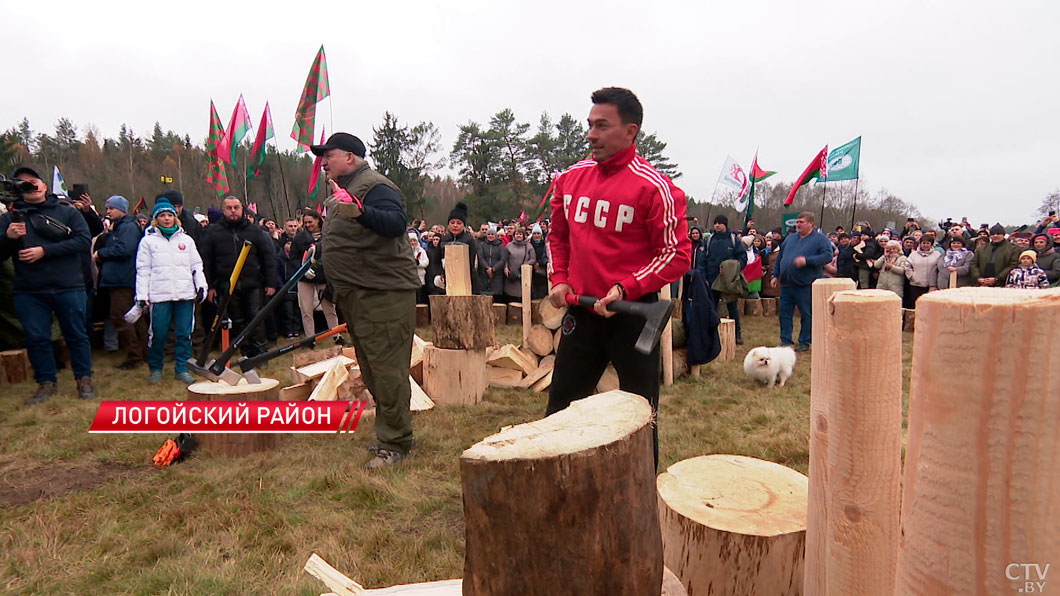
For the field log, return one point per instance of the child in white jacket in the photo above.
(169, 279)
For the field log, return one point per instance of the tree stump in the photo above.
(733, 525)
(500, 314)
(235, 444)
(741, 305)
(908, 319)
(539, 341)
(981, 490)
(551, 316)
(753, 307)
(565, 504)
(423, 315)
(14, 366)
(769, 307)
(727, 335)
(462, 322)
(515, 313)
(454, 377)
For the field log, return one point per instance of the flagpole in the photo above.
(283, 179)
(854, 209)
(820, 225)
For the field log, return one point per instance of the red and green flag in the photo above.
(238, 127)
(314, 176)
(757, 175)
(216, 175)
(255, 164)
(315, 90)
(818, 169)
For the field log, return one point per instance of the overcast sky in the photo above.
(956, 102)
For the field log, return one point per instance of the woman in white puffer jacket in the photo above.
(169, 279)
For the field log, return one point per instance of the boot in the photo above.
(44, 392)
(85, 389)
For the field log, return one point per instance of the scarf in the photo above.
(168, 232)
(953, 257)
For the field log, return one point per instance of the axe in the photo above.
(215, 370)
(247, 364)
(655, 315)
(223, 310)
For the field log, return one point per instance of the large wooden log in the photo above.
(753, 307)
(454, 377)
(423, 315)
(551, 316)
(507, 378)
(515, 313)
(727, 335)
(733, 525)
(820, 392)
(235, 444)
(981, 491)
(769, 307)
(457, 271)
(565, 504)
(14, 366)
(539, 340)
(500, 314)
(462, 322)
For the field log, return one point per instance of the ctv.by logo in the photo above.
(1031, 577)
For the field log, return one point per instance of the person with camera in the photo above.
(46, 240)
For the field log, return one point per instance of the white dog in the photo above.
(770, 365)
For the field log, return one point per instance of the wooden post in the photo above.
(565, 504)
(454, 377)
(462, 322)
(727, 335)
(457, 270)
(666, 343)
(235, 444)
(526, 276)
(817, 516)
(423, 317)
(982, 472)
(953, 279)
(753, 307)
(864, 453)
(733, 525)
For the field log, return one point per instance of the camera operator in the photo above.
(47, 239)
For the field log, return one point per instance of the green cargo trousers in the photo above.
(382, 323)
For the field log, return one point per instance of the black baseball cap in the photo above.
(26, 170)
(340, 140)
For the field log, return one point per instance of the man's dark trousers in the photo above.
(35, 312)
(790, 297)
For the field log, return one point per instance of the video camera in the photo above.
(12, 190)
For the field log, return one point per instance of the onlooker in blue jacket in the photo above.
(722, 246)
(117, 273)
(800, 261)
(47, 245)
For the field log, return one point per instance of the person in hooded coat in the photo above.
(435, 268)
(539, 283)
(520, 253)
(1048, 259)
(492, 257)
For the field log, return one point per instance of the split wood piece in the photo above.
(864, 442)
(551, 316)
(299, 392)
(340, 585)
(733, 525)
(982, 472)
(316, 370)
(820, 396)
(515, 313)
(457, 271)
(556, 337)
(328, 387)
(416, 360)
(353, 388)
(445, 587)
(462, 322)
(526, 273)
(509, 356)
(420, 401)
(540, 340)
(454, 377)
(15, 366)
(680, 360)
(423, 315)
(908, 319)
(542, 370)
(235, 444)
(332, 578)
(953, 279)
(753, 307)
(586, 517)
(666, 343)
(543, 383)
(608, 380)
(505, 378)
(500, 314)
(769, 307)
(727, 335)
(302, 358)
(350, 353)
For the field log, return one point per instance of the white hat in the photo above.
(536, 229)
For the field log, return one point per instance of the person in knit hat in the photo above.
(456, 233)
(186, 218)
(1048, 259)
(993, 260)
(1028, 276)
(117, 272)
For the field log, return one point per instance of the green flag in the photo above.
(843, 161)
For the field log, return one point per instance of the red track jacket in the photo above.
(618, 221)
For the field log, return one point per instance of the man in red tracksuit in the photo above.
(618, 231)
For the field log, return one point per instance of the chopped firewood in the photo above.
(509, 356)
(317, 369)
(420, 400)
(532, 378)
(503, 377)
(328, 387)
(544, 383)
(299, 392)
(307, 357)
(332, 578)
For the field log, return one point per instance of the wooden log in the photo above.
(680, 358)
(314, 371)
(864, 443)
(509, 356)
(753, 307)
(741, 305)
(462, 322)
(543, 383)
(526, 276)
(14, 366)
(981, 490)
(416, 360)
(769, 307)
(327, 389)
(423, 315)
(586, 518)
(908, 319)
(307, 357)
(680, 337)
(818, 522)
(457, 271)
(727, 335)
(666, 343)
(515, 313)
(235, 444)
(500, 314)
(608, 380)
(299, 392)
(531, 379)
(419, 401)
(551, 316)
(503, 377)
(454, 377)
(733, 525)
(556, 338)
(539, 340)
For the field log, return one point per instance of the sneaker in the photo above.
(292, 335)
(85, 389)
(185, 377)
(385, 458)
(44, 392)
(155, 378)
(802, 348)
(783, 345)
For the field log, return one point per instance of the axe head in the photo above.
(655, 316)
(230, 377)
(202, 371)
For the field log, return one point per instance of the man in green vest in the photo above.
(373, 274)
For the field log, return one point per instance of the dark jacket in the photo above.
(495, 255)
(118, 255)
(815, 247)
(301, 243)
(844, 263)
(718, 248)
(191, 226)
(60, 268)
(870, 252)
(985, 263)
(1049, 261)
(435, 254)
(701, 321)
(220, 248)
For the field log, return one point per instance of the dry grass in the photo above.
(110, 523)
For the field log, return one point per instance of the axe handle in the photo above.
(223, 310)
(619, 306)
(246, 364)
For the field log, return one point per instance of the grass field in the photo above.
(89, 514)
